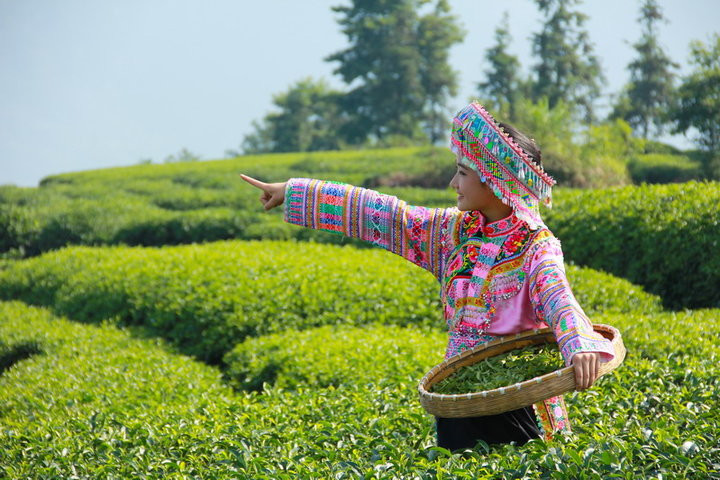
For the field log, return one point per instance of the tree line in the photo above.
(398, 81)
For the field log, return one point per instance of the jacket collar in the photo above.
(474, 224)
(502, 226)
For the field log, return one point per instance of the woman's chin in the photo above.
(462, 205)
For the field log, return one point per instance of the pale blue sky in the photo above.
(89, 84)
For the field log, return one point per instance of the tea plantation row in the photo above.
(185, 202)
(663, 237)
(207, 298)
(625, 231)
(93, 402)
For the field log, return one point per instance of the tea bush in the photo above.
(617, 230)
(185, 202)
(662, 237)
(99, 404)
(664, 168)
(93, 402)
(148, 204)
(372, 356)
(206, 298)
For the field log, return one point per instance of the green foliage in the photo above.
(699, 100)
(502, 370)
(369, 355)
(433, 170)
(98, 404)
(397, 65)
(191, 201)
(659, 236)
(437, 32)
(308, 120)
(567, 71)
(207, 298)
(94, 403)
(605, 153)
(601, 293)
(195, 202)
(653, 146)
(184, 155)
(664, 168)
(648, 97)
(554, 130)
(594, 158)
(503, 86)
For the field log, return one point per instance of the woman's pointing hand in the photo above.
(273, 193)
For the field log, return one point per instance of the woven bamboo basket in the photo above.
(511, 397)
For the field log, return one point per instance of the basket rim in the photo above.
(497, 392)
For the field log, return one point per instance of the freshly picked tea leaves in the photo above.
(502, 370)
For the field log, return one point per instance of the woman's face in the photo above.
(473, 193)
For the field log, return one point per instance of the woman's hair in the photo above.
(527, 144)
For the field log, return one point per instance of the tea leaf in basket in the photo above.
(502, 370)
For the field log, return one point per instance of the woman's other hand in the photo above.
(587, 366)
(273, 193)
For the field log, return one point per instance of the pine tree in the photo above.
(502, 87)
(437, 32)
(396, 66)
(698, 102)
(646, 100)
(568, 70)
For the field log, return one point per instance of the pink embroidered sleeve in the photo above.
(555, 304)
(383, 220)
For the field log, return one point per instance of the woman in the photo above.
(500, 268)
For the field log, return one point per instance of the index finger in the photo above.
(253, 182)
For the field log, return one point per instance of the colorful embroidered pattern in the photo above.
(383, 220)
(486, 267)
(505, 273)
(552, 416)
(556, 305)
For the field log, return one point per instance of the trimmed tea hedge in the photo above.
(663, 237)
(99, 404)
(664, 168)
(371, 356)
(206, 298)
(185, 202)
(91, 402)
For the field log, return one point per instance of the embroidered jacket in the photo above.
(496, 278)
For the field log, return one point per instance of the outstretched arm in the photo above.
(383, 220)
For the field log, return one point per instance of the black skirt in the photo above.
(519, 426)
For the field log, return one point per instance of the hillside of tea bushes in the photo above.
(291, 398)
(207, 298)
(94, 402)
(663, 237)
(251, 359)
(186, 202)
(615, 230)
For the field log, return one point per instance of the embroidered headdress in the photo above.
(501, 163)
